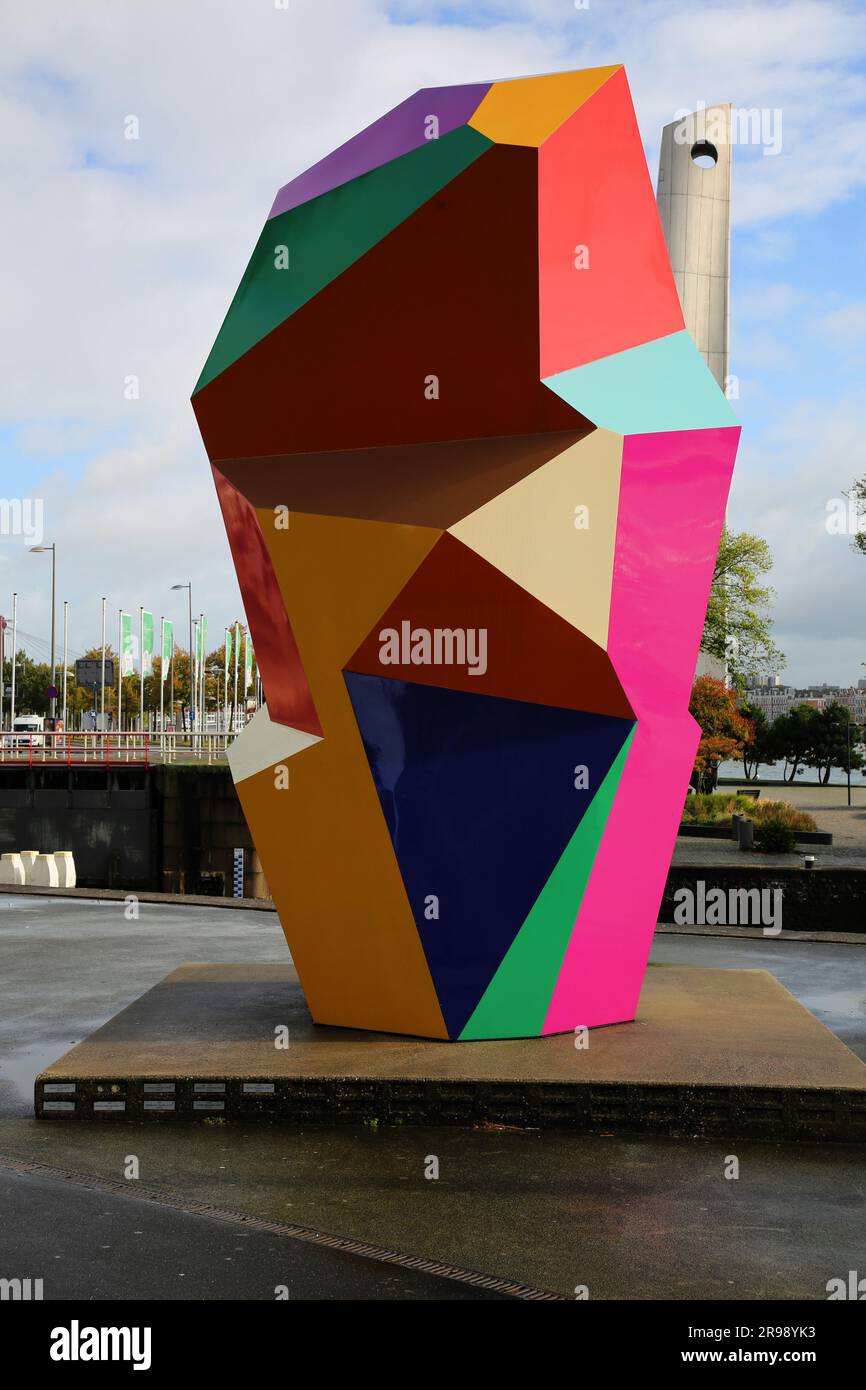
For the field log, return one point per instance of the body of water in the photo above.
(805, 777)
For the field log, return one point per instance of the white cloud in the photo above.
(808, 458)
(846, 326)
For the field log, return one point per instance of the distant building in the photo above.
(779, 699)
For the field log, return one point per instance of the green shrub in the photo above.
(774, 836)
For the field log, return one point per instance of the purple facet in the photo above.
(397, 132)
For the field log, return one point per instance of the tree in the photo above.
(857, 495)
(32, 679)
(830, 741)
(724, 730)
(759, 747)
(737, 626)
(792, 737)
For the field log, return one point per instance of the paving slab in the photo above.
(95, 1240)
(712, 1052)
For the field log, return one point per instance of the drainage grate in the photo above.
(346, 1245)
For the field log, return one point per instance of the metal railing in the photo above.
(111, 749)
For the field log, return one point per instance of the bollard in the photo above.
(735, 826)
(28, 859)
(747, 833)
(808, 861)
(44, 871)
(65, 868)
(11, 869)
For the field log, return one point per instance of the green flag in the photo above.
(167, 645)
(248, 663)
(127, 645)
(146, 643)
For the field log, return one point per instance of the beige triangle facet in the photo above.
(554, 532)
(263, 743)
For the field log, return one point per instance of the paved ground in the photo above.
(628, 1218)
(829, 979)
(808, 796)
(67, 966)
(89, 1244)
(708, 853)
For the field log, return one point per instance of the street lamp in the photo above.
(188, 587)
(42, 550)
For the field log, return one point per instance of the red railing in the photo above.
(106, 750)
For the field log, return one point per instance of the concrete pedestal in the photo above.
(712, 1052)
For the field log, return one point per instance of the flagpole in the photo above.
(14, 657)
(119, 669)
(141, 669)
(235, 700)
(65, 654)
(102, 696)
(226, 682)
(161, 679)
(193, 680)
(198, 679)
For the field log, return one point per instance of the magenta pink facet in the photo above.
(673, 492)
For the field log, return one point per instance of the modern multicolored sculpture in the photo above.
(473, 472)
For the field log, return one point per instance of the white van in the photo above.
(28, 731)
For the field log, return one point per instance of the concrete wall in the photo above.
(201, 823)
(167, 829)
(813, 900)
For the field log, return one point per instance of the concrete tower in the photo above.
(694, 198)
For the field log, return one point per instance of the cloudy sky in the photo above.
(118, 257)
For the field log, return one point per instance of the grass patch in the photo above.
(717, 808)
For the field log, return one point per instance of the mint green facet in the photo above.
(516, 1001)
(659, 386)
(302, 250)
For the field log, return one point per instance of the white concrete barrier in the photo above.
(28, 859)
(11, 869)
(65, 868)
(44, 873)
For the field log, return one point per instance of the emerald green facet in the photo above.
(302, 250)
(516, 1001)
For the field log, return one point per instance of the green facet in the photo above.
(516, 1001)
(303, 249)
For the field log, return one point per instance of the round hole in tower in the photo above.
(705, 155)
